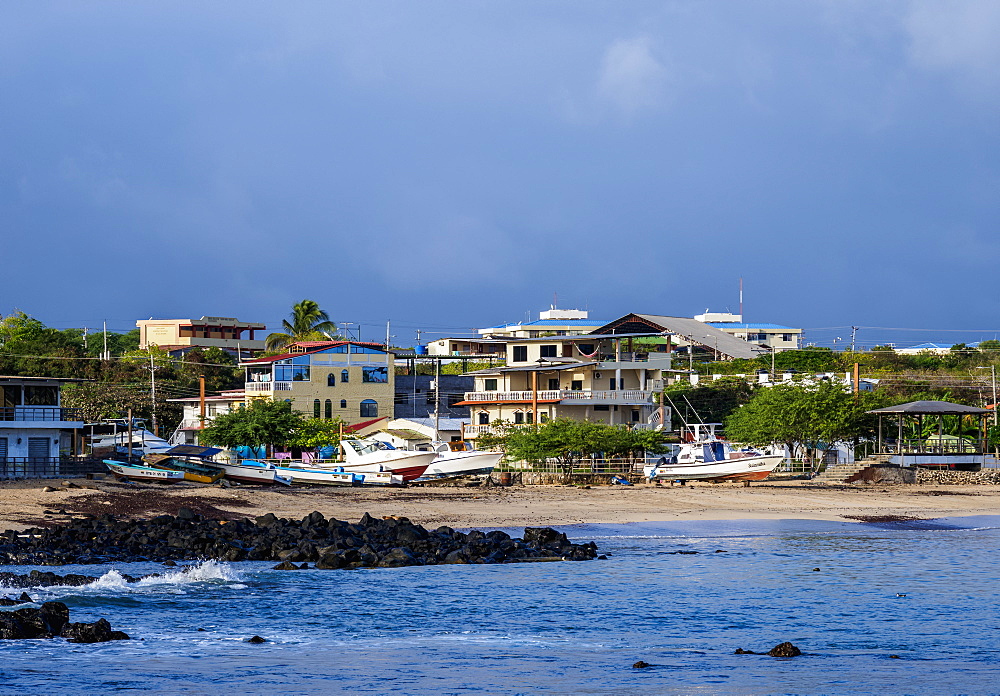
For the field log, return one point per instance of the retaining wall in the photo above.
(986, 477)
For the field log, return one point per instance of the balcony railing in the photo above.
(268, 386)
(474, 431)
(567, 396)
(40, 413)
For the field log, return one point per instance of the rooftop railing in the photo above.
(40, 413)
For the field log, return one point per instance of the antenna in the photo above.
(741, 299)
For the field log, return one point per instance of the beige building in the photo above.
(771, 336)
(326, 379)
(219, 332)
(605, 378)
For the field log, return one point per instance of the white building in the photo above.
(36, 432)
(773, 336)
(187, 431)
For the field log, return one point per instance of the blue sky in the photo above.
(454, 164)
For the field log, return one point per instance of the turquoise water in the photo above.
(559, 628)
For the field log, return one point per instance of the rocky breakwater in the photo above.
(329, 543)
(50, 620)
(946, 477)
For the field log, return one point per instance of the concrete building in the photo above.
(552, 322)
(187, 431)
(181, 335)
(324, 379)
(772, 336)
(415, 396)
(36, 432)
(594, 378)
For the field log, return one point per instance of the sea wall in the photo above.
(986, 477)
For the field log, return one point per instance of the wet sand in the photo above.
(24, 504)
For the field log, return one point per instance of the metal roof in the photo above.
(552, 322)
(738, 325)
(932, 408)
(691, 330)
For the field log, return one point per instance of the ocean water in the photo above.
(558, 628)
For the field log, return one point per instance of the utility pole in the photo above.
(85, 338)
(854, 331)
(387, 334)
(152, 391)
(437, 398)
(201, 400)
(105, 355)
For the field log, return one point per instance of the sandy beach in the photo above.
(25, 504)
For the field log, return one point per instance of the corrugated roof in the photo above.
(691, 330)
(404, 434)
(932, 407)
(758, 326)
(552, 322)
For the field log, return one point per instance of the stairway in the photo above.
(841, 472)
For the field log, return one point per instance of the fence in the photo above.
(49, 467)
(584, 467)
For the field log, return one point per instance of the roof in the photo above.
(551, 322)
(546, 367)
(22, 378)
(362, 425)
(443, 423)
(691, 330)
(932, 407)
(404, 434)
(757, 326)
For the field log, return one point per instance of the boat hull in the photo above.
(143, 473)
(323, 477)
(742, 469)
(260, 475)
(196, 472)
(453, 464)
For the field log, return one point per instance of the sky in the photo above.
(450, 165)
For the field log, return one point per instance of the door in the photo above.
(38, 456)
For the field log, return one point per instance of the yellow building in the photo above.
(219, 332)
(327, 379)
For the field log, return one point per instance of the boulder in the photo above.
(641, 665)
(398, 558)
(97, 632)
(256, 640)
(285, 565)
(785, 649)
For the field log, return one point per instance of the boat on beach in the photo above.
(196, 471)
(459, 458)
(375, 456)
(136, 472)
(706, 457)
(256, 473)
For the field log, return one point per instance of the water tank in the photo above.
(420, 350)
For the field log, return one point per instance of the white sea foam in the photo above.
(175, 581)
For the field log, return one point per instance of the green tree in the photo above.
(308, 323)
(262, 422)
(568, 441)
(804, 415)
(317, 432)
(100, 400)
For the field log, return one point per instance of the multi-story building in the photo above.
(552, 322)
(324, 379)
(604, 378)
(416, 395)
(36, 432)
(181, 335)
(772, 336)
(215, 405)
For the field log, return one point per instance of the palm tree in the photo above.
(309, 323)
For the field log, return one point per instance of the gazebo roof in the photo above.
(932, 408)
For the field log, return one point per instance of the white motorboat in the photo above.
(459, 458)
(703, 456)
(374, 456)
(112, 435)
(133, 472)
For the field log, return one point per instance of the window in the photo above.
(602, 407)
(518, 417)
(343, 403)
(286, 371)
(635, 416)
(520, 354)
(344, 376)
(614, 384)
(489, 384)
(331, 380)
(547, 351)
(484, 418)
(576, 385)
(369, 408)
(543, 417)
(586, 348)
(315, 408)
(554, 383)
(787, 338)
(379, 375)
(41, 396)
(328, 408)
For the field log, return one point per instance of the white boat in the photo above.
(460, 459)
(259, 472)
(112, 435)
(374, 456)
(312, 475)
(705, 457)
(135, 472)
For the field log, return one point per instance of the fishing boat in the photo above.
(135, 472)
(374, 456)
(256, 472)
(459, 458)
(196, 471)
(315, 475)
(118, 435)
(703, 456)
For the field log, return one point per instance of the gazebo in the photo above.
(912, 447)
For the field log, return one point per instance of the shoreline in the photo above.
(24, 504)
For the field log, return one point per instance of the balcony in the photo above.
(567, 397)
(258, 387)
(37, 414)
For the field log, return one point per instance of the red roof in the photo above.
(362, 425)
